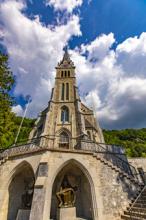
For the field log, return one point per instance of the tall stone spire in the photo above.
(66, 62)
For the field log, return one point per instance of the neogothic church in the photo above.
(66, 171)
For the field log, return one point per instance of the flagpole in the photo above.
(21, 122)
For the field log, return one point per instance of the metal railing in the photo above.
(112, 153)
(140, 214)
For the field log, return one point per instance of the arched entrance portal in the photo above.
(76, 179)
(21, 191)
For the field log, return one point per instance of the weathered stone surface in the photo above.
(38, 204)
(43, 169)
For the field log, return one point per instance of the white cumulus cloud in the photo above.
(67, 5)
(18, 110)
(34, 51)
(111, 81)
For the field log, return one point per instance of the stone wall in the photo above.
(110, 191)
(138, 162)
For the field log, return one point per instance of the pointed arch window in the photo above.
(67, 91)
(64, 114)
(62, 92)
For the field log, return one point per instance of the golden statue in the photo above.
(66, 195)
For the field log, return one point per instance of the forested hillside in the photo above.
(133, 140)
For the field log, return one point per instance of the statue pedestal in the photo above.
(67, 213)
(23, 214)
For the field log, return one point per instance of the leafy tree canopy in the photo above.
(133, 140)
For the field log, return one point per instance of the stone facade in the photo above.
(66, 143)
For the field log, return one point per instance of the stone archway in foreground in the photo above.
(21, 191)
(76, 178)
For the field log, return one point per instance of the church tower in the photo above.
(67, 120)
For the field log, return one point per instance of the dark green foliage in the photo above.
(9, 123)
(8, 138)
(133, 140)
(6, 101)
(6, 83)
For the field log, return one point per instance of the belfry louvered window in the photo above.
(67, 91)
(62, 92)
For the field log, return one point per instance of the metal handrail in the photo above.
(131, 168)
(113, 157)
(130, 210)
(94, 147)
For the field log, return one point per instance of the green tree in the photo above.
(6, 101)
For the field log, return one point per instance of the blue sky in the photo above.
(123, 18)
(107, 43)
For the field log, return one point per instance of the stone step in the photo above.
(135, 214)
(137, 209)
(139, 205)
(143, 198)
(127, 217)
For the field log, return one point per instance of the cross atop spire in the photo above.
(66, 54)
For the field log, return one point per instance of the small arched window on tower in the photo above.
(94, 138)
(65, 73)
(64, 140)
(61, 73)
(67, 91)
(62, 92)
(89, 135)
(68, 73)
(64, 114)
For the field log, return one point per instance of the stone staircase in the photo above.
(137, 209)
(119, 171)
